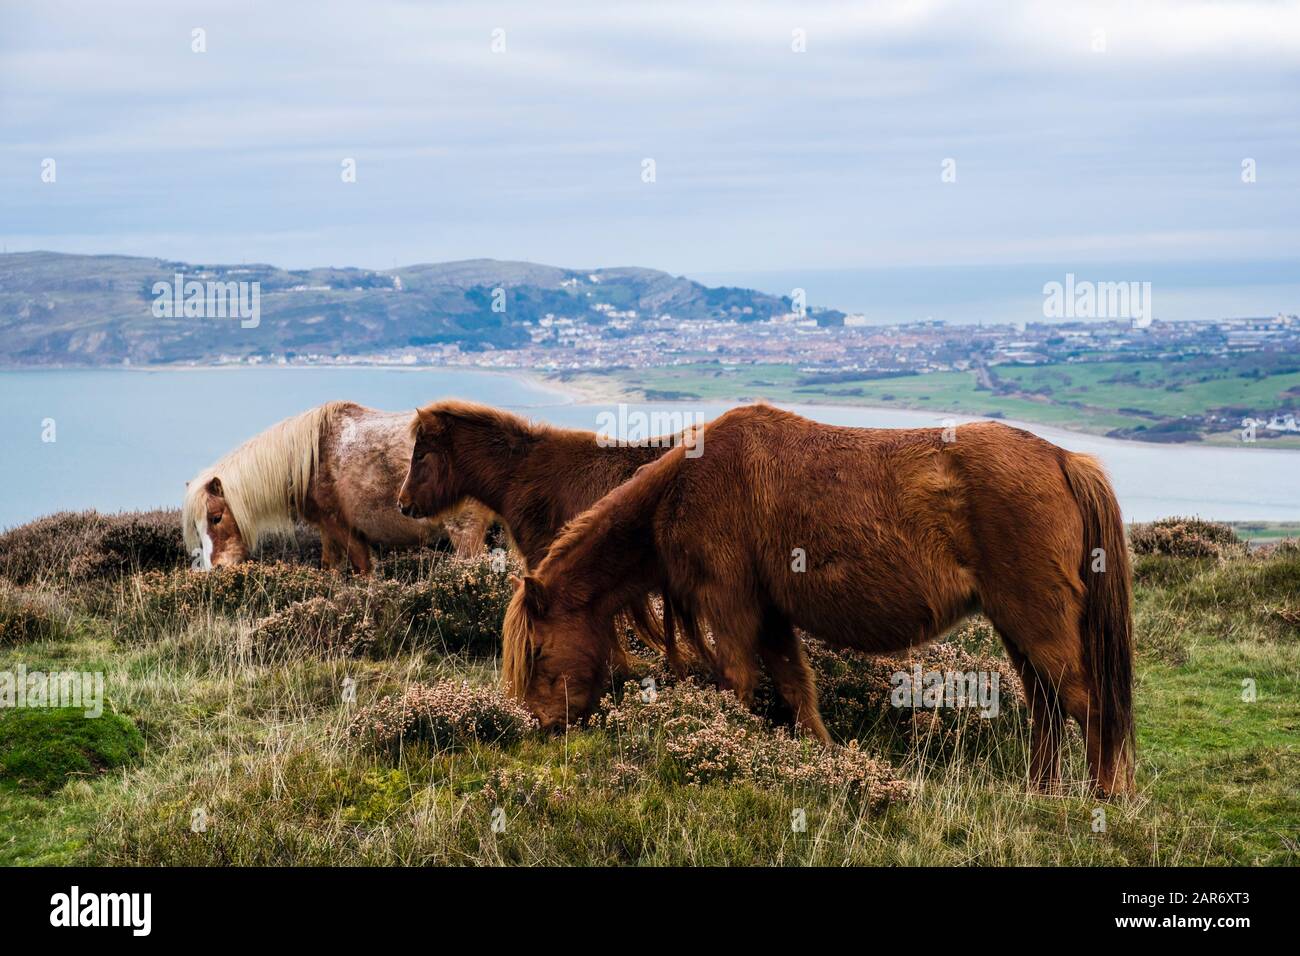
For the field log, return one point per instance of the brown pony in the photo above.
(336, 466)
(872, 539)
(533, 476)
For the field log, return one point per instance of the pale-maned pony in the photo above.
(338, 467)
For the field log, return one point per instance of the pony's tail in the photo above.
(1107, 627)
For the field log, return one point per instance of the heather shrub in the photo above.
(523, 787)
(457, 606)
(1283, 548)
(252, 588)
(85, 545)
(300, 547)
(1185, 538)
(857, 696)
(856, 692)
(412, 565)
(698, 735)
(447, 715)
(463, 602)
(26, 616)
(317, 626)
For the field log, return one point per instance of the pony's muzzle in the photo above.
(407, 508)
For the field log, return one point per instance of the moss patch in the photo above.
(41, 749)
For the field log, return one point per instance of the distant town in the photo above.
(641, 334)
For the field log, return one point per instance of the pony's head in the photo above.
(555, 659)
(211, 532)
(431, 485)
(255, 490)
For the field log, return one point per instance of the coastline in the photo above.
(607, 391)
(593, 388)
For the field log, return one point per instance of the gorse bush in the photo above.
(445, 715)
(701, 736)
(1186, 538)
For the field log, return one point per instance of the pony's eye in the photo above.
(215, 519)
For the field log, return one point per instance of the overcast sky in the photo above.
(765, 158)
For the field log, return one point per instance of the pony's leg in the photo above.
(350, 542)
(359, 554)
(329, 551)
(1047, 633)
(467, 530)
(1084, 705)
(735, 651)
(1048, 723)
(783, 654)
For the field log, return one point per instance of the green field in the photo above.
(236, 685)
(1095, 397)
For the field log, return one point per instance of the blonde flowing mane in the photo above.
(264, 480)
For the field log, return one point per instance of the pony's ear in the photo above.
(214, 488)
(535, 597)
(428, 424)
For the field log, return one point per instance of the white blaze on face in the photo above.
(205, 543)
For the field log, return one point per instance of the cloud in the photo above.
(766, 158)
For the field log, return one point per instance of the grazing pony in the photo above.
(533, 476)
(338, 467)
(871, 539)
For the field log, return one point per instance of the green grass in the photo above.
(1094, 396)
(253, 748)
(1164, 389)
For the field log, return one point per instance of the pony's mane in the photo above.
(474, 413)
(628, 500)
(264, 480)
(516, 638)
(582, 536)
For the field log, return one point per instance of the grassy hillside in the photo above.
(1205, 397)
(98, 310)
(276, 715)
